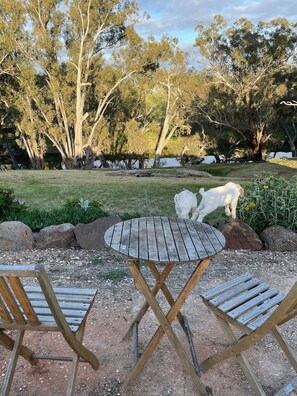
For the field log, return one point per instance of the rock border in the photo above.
(17, 236)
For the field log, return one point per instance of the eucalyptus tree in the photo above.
(243, 62)
(8, 71)
(136, 129)
(174, 91)
(67, 41)
(31, 129)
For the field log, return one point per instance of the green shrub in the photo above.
(71, 212)
(269, 201)
(10, 206)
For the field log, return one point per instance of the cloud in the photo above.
(179, 18)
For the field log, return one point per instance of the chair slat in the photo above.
(66, 312)
(261, 309)
(225, 286)
(23, 299)
(64, 290)
(259, 321)
(50, 319)
(234, 313)
(11, 303)
(63, 304)
(243, 297)
(63, 297)
(240, 288)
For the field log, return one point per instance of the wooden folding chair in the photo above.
(254, 308)
(42, 308)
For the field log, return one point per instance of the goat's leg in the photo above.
(195, 214)
(202, 213)
(233, 209)
(227, 210)
(201, 217)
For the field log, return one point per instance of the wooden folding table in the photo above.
(170, 241)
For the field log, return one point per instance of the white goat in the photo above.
(185, 202)
(214, 198)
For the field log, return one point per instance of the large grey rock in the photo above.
(55, 236)
(15, 236)
(240, 235)
(91, 236)
(279, 239)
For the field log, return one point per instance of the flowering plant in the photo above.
(270, 200)
(84, 203)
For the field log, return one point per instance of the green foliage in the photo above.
(71, 212)
(115, 275)
(10, 206)
(270, 201)
(82, 203)
(97, 261)
(247, 80)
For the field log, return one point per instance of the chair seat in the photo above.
(42, 308)
(74, 303)
(247, 301)
(256, 309)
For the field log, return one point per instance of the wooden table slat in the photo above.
(125, 239)
(161, 241)
(189, 244)
(152, 242)
(179, 242)
(164, 239)
(116, 236)
(200, 250)
(143, 242)
(216, 238)
(204, 239)
(134, 238)
(170, 244)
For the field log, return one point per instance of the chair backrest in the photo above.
(16, 309)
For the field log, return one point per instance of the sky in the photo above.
(178, 18)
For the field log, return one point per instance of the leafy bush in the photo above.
(10, 205)
(71, 212)
(269, 201)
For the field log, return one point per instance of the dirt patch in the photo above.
(117, 302)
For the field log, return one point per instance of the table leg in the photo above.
(165, 324)
(166, 292)
(160, 282)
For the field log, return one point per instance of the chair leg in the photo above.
(12, 364)
(244, 363)
(75, 362)
(287, 350)
(25, 352)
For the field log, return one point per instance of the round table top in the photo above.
(164, 239)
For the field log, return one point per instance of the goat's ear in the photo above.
(241, 191)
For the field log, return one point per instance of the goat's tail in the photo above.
(201, 191)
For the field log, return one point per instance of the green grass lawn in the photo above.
(118, 193)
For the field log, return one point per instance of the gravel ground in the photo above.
(117, 302)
